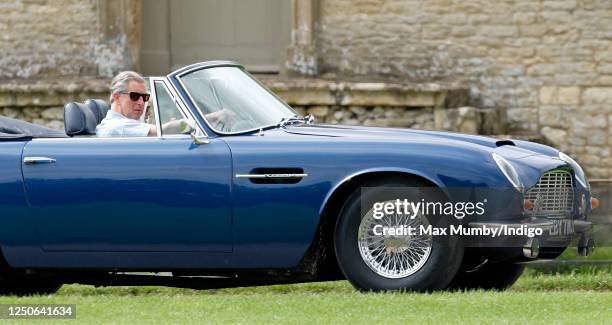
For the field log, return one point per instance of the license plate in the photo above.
(562, 227)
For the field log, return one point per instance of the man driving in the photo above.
(128, 97)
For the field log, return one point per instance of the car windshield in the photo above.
(232, 101)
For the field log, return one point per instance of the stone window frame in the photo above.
(120, 18)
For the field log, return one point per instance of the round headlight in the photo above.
(580, 175)
(508, 170)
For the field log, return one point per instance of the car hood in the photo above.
(506, 148)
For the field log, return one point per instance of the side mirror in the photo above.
(188, 127)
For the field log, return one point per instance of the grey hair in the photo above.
(120, 82)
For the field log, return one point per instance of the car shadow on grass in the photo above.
(532, 280)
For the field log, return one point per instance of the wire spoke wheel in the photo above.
(394, 256)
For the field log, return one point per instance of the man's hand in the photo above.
(174, 127)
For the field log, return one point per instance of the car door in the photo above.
(150, 194)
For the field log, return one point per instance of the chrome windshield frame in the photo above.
(179, 74)
(181, 106)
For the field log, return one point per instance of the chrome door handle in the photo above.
(271, 175)
(37, 160)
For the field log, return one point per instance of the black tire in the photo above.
(16, 282)
(490, 276)
(26, 286)
(437, 271)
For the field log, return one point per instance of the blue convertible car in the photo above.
(265, 196)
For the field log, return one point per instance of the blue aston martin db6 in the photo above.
(264, 196)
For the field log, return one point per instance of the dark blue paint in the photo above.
(169, 204)
(130, 195)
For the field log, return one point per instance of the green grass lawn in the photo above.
(600, 253)
(537, 298)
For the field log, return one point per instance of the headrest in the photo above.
(99, 108)
(82, 119)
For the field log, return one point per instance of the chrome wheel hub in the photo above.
(398, 255)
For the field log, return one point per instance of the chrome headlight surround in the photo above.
(580, 175)
(509, 171)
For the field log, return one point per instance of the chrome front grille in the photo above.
(553, 195)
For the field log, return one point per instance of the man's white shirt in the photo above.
(117, 125)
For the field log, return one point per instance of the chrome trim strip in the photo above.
(152, 81)
(204, 140)
(200, 140)
(95, 138)
(275, 176)
(204, 65)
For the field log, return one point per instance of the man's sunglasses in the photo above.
(135, 95)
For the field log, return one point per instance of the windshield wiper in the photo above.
(308, 119)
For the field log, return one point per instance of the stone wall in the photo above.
(428, 106)
(42, 102)
(421, 106)
(43, 38)
(548, 63)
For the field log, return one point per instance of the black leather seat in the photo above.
(82, 119)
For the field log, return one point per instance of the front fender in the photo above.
(364, 172)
